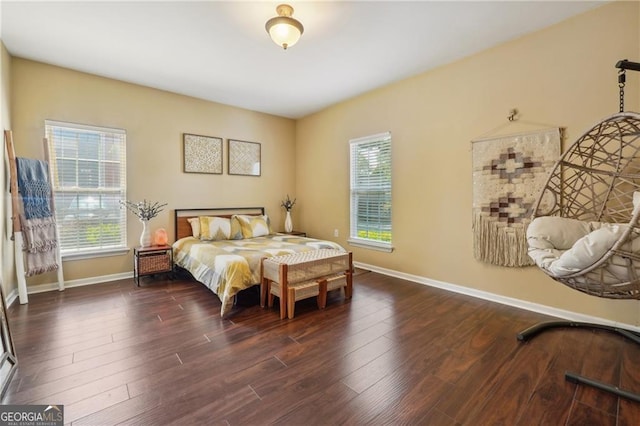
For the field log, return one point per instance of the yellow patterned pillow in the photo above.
(213, 228)
(236, 229)
(254, 226)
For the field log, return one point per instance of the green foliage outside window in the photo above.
(99, 232)
(375, 235)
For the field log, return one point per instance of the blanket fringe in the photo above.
(40, 245)
(500, 245)
(41, 270)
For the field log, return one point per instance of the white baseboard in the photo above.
(41, 288)
(517, 303)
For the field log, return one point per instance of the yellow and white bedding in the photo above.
(228, 266)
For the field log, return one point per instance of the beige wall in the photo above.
(561, 76)
(6, 245)
(155, 121)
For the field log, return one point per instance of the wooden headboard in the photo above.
(183, 228)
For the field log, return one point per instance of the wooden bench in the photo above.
(299, 276)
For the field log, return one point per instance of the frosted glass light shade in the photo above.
(283, 29)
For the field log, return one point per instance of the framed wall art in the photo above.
(202, 154)
(244, 158)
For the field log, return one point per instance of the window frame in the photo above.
(103, 247)
(383, 141)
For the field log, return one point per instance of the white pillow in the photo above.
(555, 232)
(544, 257)
(587, 250)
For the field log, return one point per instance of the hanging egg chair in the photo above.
(584, 231)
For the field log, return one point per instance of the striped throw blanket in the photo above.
(37, 221)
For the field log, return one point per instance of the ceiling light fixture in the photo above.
(283, 29)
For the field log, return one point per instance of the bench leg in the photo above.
(291, 302)
(264, 288)
(283, 299)
(269, 295)
(348, 290)
(322, 294)
(263, 284)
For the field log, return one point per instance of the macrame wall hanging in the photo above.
(509, 173)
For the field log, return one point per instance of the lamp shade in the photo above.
(283, 29)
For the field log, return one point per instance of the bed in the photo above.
(222, 247)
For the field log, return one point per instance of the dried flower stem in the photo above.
(288, 204)
(144, 210)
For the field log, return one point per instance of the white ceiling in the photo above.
(220, 51)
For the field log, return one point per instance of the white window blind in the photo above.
(370, 165)
(88, 165)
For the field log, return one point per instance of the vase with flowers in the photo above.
(288, 205)
(145, 211)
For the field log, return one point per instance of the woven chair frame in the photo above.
(595, 180)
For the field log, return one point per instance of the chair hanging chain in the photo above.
(621, 81)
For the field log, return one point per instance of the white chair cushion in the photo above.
(564, 246)
(587, 250)
(555, 232)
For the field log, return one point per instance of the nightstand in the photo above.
(296, 233)
(151, 260)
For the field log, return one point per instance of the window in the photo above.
(88, 165)
(370, 161)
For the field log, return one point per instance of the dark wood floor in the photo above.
(397, 353)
